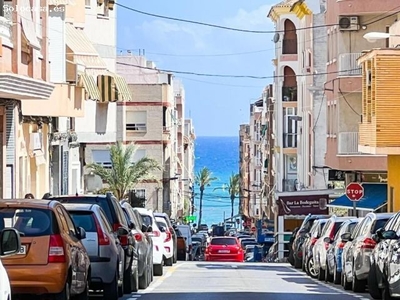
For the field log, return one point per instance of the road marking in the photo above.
(334, 288)
(161, 279)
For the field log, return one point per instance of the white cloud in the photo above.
(255, 19)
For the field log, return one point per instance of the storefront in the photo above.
(291, 209)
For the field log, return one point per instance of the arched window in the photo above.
(289, 43)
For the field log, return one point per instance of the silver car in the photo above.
(103, 247)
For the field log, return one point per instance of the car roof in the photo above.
(31, 203)
(223, 237)
(380, 216)
(78, 196)
(80, 206)
(143, 210)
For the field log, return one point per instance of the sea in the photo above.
(221, 156)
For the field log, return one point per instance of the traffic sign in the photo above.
(191, 218)
(354, 191)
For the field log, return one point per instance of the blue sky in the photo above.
(217, 105)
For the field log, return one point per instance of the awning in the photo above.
(82, 48)
(90, 86)
(124, 93)
(28, 27)
(375, 196)
(113, 88)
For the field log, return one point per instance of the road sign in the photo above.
(354, 191)
(191, 218)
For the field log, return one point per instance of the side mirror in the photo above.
(307, 235)
(10, 242)
(144, 228)
(327, 240)
(122, 231)
(149, 229)
(81, 233)
(376, 238)
(389, 235)
(203, 249)
(132, 225)
(345, 237)
(379, 232)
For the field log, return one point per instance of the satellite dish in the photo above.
(276, 37)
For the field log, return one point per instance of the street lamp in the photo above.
(372, 37)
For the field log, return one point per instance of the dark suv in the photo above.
(119, 223)
(296, 249)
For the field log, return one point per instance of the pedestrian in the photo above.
(29, 196)
(47, 196)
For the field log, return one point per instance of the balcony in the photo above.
(166, 135)
(289, 94)
(289, 46)
(290, 140)
(348, 65)
(348, 143)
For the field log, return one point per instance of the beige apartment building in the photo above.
(244, 172)
(155, 121)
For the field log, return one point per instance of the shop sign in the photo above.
(303, 205)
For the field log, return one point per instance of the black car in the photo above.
(144, 245)
(117, 219)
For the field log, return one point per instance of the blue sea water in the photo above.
(221, 156)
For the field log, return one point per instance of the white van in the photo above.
(9, 244)
(187, 234)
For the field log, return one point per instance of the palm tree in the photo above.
(124, 174)
(203, 178)
(233, 190)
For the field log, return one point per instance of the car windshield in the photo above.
(30, 222)
(147, 220)
(90, 200)
(196, 239)
(84, 220)
(378, 224)
(223, 241)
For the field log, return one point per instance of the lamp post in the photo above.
(372, 37)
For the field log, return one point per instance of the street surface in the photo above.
(237, 281)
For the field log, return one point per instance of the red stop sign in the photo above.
(354, 191)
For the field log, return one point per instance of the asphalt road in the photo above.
(237, 281)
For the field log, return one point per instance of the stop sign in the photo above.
(354, 191)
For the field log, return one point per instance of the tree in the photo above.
(233, 190)
(203, 178)
(124, 174)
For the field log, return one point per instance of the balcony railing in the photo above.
(290, 140)
(289, 93)
(348, 64)
(289, 46)
(348, 143)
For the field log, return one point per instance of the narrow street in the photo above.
(235, 281)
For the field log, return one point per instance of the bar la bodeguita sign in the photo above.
(303, 205)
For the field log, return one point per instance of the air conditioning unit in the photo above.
(349, 23)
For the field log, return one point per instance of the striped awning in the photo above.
(89, 84)
(113, 88)
(124, 93)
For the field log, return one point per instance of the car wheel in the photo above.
(120, 287)
(386, 293)
(312, 271)
(336, 275)
(357, 285)
(169, 261)
(175, 256)
(373, 287)
(84, 295)
(328, 275)
(110, 290)
(297, 262)
(321, 273)
(144, 279)
(130, 280)
(346, 285)
(64, 294)
(158, 270)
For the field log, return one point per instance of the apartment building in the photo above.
(155, 122)
(379, 127)
(345, 90)
(244, 173)
(188, 174)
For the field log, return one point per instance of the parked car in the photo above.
(10, 244)
(182, 248)
(154, 232)
(383, 279)
(187, 234)
(168, 242)
(335, 250)
(172, 231)
(310, 238)
(358, 249)
(224, 249)
(104, 249)
(51, 247)
(297, 244)
(328, 233)
(144, 245)
(115, 215)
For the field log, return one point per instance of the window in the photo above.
(102, 157)
(223, 241)
(70, 223)
(136, 120)
(87, 3)
(139, 154)
(106, 223)
(140, 193)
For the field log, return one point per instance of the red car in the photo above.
(224, 249)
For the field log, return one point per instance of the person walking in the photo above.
(29, 196)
